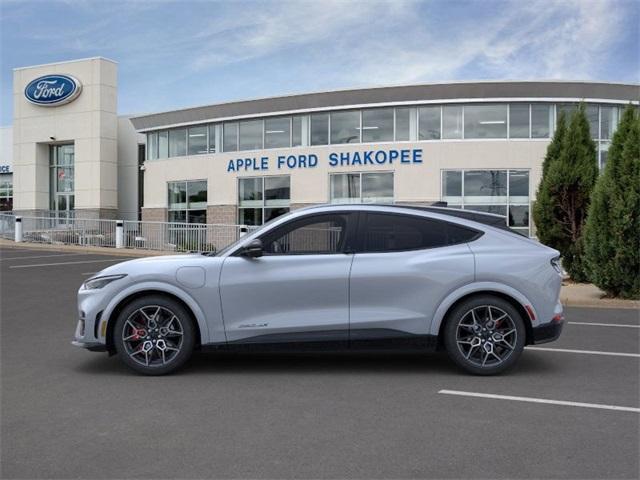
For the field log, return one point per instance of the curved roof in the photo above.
(392, 95)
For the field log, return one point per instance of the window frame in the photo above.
(361, 244)
(360, 174)
(186, 208)
(352, 219)
(263, 206)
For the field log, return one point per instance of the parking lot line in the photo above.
(540, 400)
(65, 263)
(604, 324)
(41, 256)
(586, 352)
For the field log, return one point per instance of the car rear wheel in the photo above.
(154, 335)
(484, 335)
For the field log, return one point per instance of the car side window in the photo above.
(389, 232)
(314, 235)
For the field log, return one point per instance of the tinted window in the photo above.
(320, 234)
(393, 233)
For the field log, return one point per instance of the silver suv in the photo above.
(346, 276)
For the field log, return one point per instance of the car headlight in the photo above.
(99, 282)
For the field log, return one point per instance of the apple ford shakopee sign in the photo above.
(53, 90)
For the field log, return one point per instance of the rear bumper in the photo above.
(549, 331)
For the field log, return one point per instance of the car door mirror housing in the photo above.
(254, 249)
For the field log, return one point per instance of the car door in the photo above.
(298, 290)
(405, 265)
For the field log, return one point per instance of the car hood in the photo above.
(162, 264)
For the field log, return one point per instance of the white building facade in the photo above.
(476, 145)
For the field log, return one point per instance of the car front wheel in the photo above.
(484, 335)
(154, 335)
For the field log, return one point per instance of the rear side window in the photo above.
(388, 232)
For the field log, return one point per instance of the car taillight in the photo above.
(555, 263)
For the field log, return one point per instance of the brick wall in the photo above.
(154, 214)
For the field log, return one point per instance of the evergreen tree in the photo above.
(548, 232)
(564, 195)
(612, 233)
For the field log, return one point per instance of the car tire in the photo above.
(476, 345)
(154, 335)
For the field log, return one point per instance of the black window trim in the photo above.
(346, 247)
(362, 222)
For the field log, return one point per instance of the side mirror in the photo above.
(253, 250)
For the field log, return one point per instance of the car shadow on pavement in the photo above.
(207, 363)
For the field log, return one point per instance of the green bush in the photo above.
(612, 233)
(563, 198)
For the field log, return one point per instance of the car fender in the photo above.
(456, 295)
(162, 287)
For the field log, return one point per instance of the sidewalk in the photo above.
(571, 295)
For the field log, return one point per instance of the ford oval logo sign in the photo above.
(53, 90)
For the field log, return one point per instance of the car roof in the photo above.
(489, 219)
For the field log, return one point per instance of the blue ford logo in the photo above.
(53, 90)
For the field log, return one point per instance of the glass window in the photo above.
(519, 216)
(177, 195)
(250, 192)
(345, 188)
(541, 120)
(377, 187)
(608, 122)
(403, 124)
(452, 121)
(592, 116)
(277, 132)
(197, 140)
(519, 120)
(230, 137)
(429, 123)
(486, 191)
(6, 192)
(345, 127)
(152, 146)
(568, 109)
(163, 144)
(320, 129)
(212, 138)
(187, 202)
(452, 185)
(251, 135)
(485, 121)
(518, 185)
(277, 191)
(316, 235)
(197, 194)
(62, 179)
(393, 233)
(377, 125)
(485, 186)
(604, 152)
(178, 142)
(296, 131)
(263, 198)
(374, 187)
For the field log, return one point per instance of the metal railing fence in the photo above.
(161, 236)
(69, 231)
(7, 226)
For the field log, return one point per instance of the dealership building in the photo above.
(474, 145)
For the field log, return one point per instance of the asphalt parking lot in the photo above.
(68, 413)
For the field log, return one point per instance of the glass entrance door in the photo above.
(62, 176)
